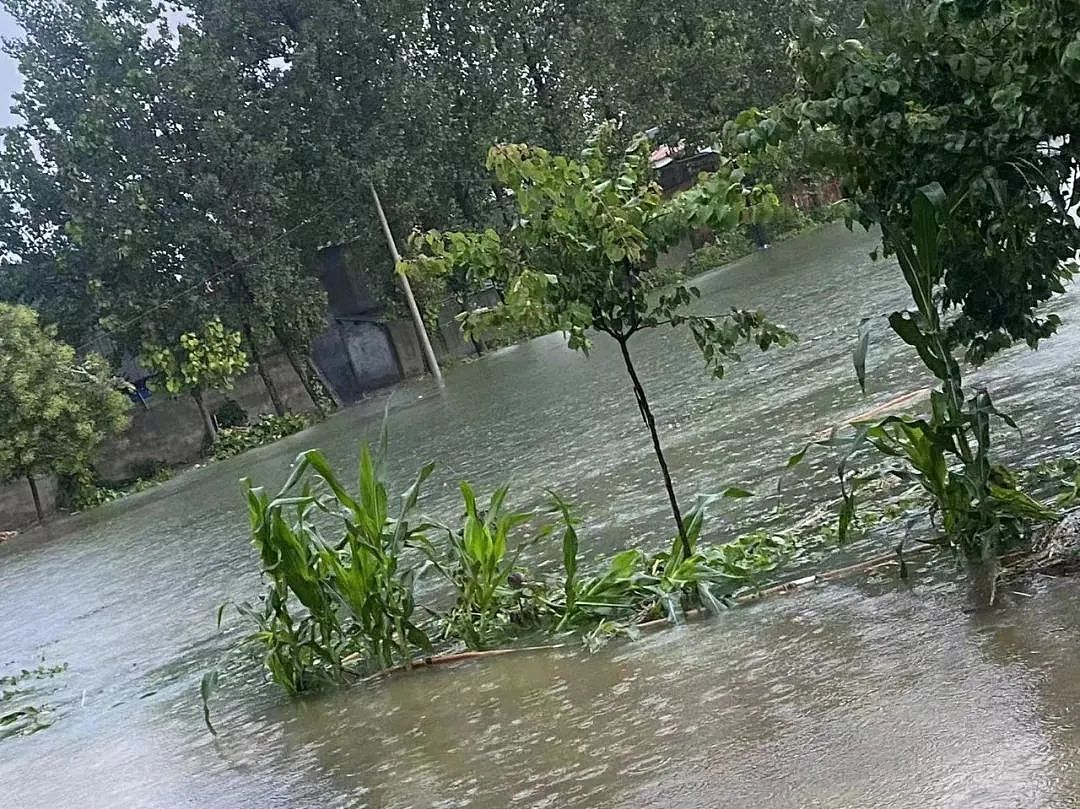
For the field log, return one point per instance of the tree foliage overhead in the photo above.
(588, 233)
(167, 169)
(983, 99)
(143, 183)
(688, 67)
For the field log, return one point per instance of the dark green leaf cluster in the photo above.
(979, 99)
(55, 409)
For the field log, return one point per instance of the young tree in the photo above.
(578, 258)
(55, 410)
(209, 360)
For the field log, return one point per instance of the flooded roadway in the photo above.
(857, 695)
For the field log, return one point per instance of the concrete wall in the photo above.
(170, 433)
(448, 341)
(17, 504)
(357, 356)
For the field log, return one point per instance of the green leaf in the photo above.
(797, 458)
(1070, 60)
(207, 688)
(737, 493)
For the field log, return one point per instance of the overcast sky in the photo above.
(9, 73)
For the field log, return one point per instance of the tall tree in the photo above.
(146, 178)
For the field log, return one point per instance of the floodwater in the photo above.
(869, 694)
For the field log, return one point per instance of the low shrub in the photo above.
(266, 430)
(230, 414)
(82, 492)
(727, 247)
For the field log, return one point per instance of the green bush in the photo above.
(834, 212)
(727, 248)
(268, 429)
(787, 219)
(83, 492)
(480, 562)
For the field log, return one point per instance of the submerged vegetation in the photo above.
(342, 570)
(979, 506)
(171, 192)
(954, 127)
(960, 157)
(21, 712)
(359, 583)
(86, 493)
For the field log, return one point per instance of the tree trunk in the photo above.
(264, 373)
(304, 371)
(314, 372)
(650, 422)
(37, 497)
(208, 422)
(294, 361)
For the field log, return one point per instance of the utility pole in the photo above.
(414, 310)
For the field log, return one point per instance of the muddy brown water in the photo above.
(861, 694)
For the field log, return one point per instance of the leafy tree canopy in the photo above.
(983, 99)
(55, 409)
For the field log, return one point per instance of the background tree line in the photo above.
(175, 166)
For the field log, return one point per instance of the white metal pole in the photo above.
(414, 310)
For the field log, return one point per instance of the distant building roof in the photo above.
(665, 155)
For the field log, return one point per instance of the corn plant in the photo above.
(480, 564)
(333, 602)
(341, 575)
(980, 505)
(637, 586)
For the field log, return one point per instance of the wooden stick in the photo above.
(885, 408)
(455, 657)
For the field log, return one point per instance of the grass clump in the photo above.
(267, 429)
